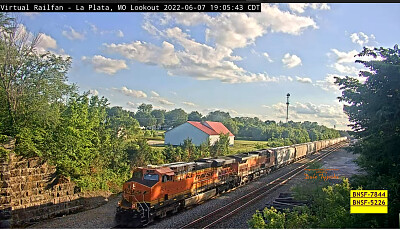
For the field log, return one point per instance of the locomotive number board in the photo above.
(368, 201)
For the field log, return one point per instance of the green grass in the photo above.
(159, 135)
(242, 146)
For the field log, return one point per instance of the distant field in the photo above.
(240, 146)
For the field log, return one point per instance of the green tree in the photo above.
(329, 208)
(189, 149)
(175, 117)
(159, 115)
(145, 108)
(231, 126)
(373, 107)
(144, 116)
(195, 116)
(122, 123)
(32, 85)
(219, 116)
(220, 147)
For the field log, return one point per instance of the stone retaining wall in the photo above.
(31, 191)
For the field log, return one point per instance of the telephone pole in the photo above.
(287, 107)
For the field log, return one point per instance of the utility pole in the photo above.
(287, 107)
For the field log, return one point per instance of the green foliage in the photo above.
(195, 116)
(329, 208)
(373, 107)
(144, 115)
(269, 218)
(3, 152)
(159, 115)
(279, 134)
(175, 117)
(3, 138)
(221, 147)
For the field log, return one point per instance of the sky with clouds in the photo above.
(241, 63)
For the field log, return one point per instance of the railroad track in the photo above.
(222, 213)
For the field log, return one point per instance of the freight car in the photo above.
(154, 191)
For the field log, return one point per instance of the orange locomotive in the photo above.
(155, 190)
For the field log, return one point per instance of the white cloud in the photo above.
(47, 42)
(181, 55)
(189, 103)
(345, 57)
(105, 65)
(131, 104)
(119, 33)
(161, 100)
(236, 30)
(146, 53)
(300, 7)
(94, 92)
(154, 93)
(346, 69)
(328, 84)
(326, 114)
(345, 61)
(96, 30)
(291, 61)
(290, 78)
(131, 92)
(361, 38)
(196, 60)
(266, 55)
(282, 21)
(72, 34)
(31, 15)
(304, 80)
(93, 28)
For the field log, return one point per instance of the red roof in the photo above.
(211, 127)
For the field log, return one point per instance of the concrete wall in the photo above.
(180, 133)
(31, 191)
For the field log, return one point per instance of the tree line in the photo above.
(88, 141)
(245, 128)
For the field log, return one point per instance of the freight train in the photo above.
(154, 191)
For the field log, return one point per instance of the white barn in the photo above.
(198, 132)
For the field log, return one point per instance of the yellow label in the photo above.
(368, 193)
(368, 201)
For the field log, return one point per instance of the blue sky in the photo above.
(241, 63)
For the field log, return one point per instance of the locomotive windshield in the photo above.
(137, 174)
(151, 177)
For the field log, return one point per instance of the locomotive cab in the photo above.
(138, 196)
